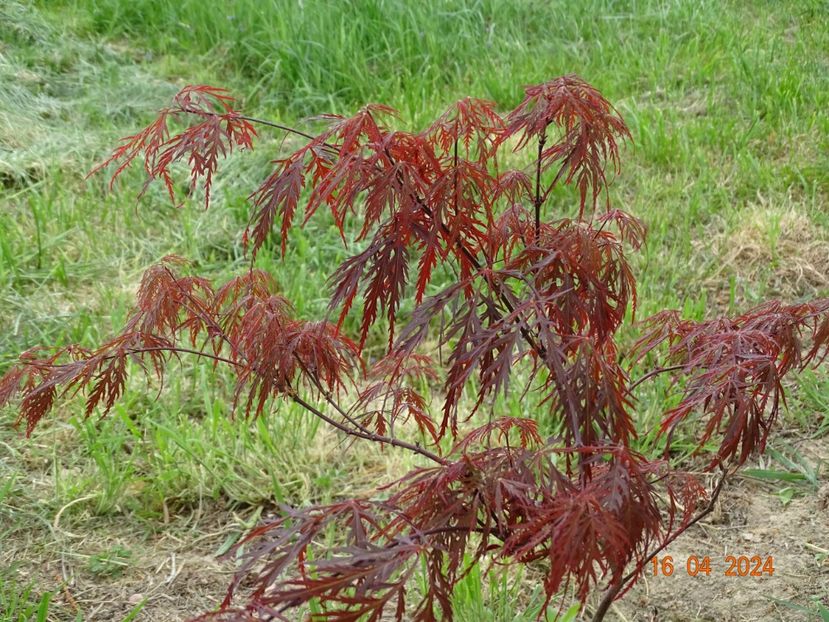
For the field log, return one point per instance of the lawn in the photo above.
(122, 518)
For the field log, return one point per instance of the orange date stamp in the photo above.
(731, 566)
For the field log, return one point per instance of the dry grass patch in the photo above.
(775, 251)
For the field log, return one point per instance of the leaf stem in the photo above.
(289, 129)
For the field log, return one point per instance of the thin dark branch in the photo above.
(179, 350)
(208, 320)
(359, 433)
(330, 399)
(557, 178)
(655, 372)
(497, 286)
(290, 130)
(371, 436)
(538, 201)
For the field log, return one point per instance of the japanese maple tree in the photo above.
(535, 304)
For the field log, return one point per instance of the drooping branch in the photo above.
(196, 308)
(167, 304)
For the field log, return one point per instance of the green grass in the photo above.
(727, 104)
(18, 603)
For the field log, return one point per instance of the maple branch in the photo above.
(613, 591)
(655, 372)
(330, 400)
(496, 287)
(208, 320)
(367, 435)
(286, 128)
(178, 350)
(359, 433)
(359, 430)
(538, 201)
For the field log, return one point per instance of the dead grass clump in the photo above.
(780, 251)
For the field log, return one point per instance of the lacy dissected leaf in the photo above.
(218, 131)
(274, 350)
(352, 133)
(631, 229)
(584, 275)
(460, 203)
(393, 396)
(588, 393)
(410, 367)
(488, 343)
(735, 368)
(278, 196)
(381, 405)
(500, 431)
(590, 529)
(101, 373)
(166, 303)
(510, 233)
(591, 131)
(473, 124)
(359, 580)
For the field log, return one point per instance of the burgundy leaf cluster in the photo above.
(733, 368)
(217, 130)
(494, 506)
(244, 324)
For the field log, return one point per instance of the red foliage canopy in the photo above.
(545, 296)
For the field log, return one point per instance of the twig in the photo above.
(371, 436)
(655, 372)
